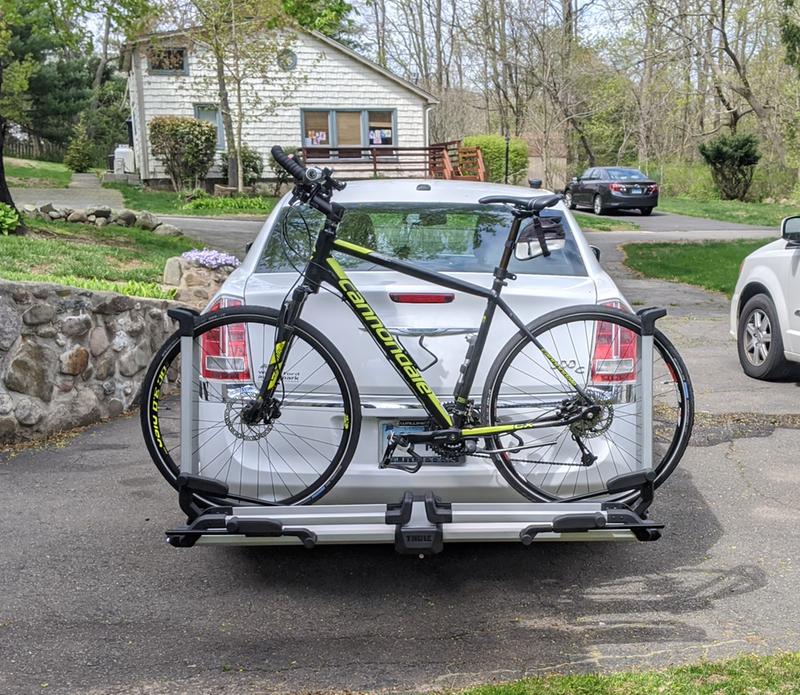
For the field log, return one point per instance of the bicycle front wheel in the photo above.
(294, 456)
(600, 348)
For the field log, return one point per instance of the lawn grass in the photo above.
(713, 265)
(30, 173)
(592, 223)
(759, 214)
(120, 259)
(170, 203)
(744, 675)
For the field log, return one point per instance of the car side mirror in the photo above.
(790, 230)
(576, 179)
(596, 252)
(248, 246)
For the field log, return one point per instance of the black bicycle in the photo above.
(276, 412)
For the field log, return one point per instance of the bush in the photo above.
(185, 146)
(80, 153)
(732, 159)
(252, 163)
(9, 219)
(280, 174)
(493, 148)
(235, 204)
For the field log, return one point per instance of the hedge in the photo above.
(493, 148)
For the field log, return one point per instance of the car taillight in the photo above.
(652, 189)
(615, 352)
(421, 298)
(223, 351)
(617, 187)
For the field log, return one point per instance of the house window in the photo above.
(349, 131)
(211, 114)
(167, 61)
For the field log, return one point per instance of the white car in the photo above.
(765, 309)
(394, 212)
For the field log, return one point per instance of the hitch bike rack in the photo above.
(418, 524)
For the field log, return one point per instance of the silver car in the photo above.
(391, 216)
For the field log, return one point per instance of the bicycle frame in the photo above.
(323, 267)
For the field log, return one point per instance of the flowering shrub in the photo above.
(186, 146)
(209, 258)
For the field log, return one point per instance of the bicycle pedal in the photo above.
(408, 450)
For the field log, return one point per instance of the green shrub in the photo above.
(493, 148)
(683, 180)
(280, 174)
(80, 152)
(732, 159)
(252, 163)
(185, 146)
(9, 219)
(254, 204)
(771, 180)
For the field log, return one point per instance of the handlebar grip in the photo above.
(297, 170)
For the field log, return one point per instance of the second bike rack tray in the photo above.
(417, 524)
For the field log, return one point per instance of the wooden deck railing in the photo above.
(439, 161)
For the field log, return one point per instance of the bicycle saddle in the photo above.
(535, 204)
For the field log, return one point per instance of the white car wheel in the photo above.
(759, 341)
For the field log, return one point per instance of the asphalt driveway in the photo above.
(94, 601)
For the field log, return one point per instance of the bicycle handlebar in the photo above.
(297, 170)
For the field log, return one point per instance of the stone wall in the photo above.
(70, 357)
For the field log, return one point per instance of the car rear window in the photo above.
(451, 238)
(626, 175)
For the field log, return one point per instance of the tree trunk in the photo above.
(5, 194)
(98, 76)
(227, 120)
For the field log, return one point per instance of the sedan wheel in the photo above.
(568, 200)
(759, 341)
(598, 205)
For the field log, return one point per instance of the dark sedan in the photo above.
(612, 188)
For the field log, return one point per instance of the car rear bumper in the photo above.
(630, 202)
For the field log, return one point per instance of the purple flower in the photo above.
(210, 258)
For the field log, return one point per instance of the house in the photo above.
(343, 107)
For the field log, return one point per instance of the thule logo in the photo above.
(419, 538)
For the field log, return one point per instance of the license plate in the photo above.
(400, 427)
(636, 191)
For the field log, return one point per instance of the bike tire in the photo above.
(674, 443)
(160, 407)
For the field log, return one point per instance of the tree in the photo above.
(732, 159)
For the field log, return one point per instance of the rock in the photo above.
(146, 220)
(28, 412)
(115, 407)
(104, 366)
(165, 229)
(46, 331)
(6, 404)
(173, 271)
(107, 303)
(77, 216)
(8, 429)
(109, 387)
(55, 214)
(101, 222)
(74, 361)
(76, 325)
(194, 277)
(46, 209)
(32, 370)
(10, 324)
(98, 341)
(134, 360)
(126, 217)
(132, 324)
(29, 209)
(38, 313)
(91, 218)
(99, 211)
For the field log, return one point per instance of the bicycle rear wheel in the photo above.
(600, 348)
(293, 458)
